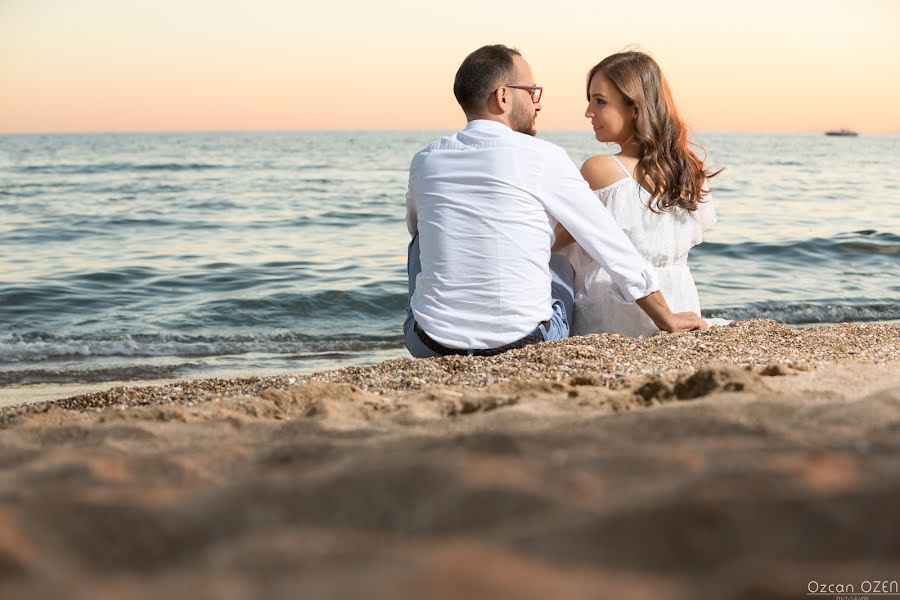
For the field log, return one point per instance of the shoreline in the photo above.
(14, 395)
(602, 360)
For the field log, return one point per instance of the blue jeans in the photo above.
(562, 278)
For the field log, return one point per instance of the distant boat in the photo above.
(842, 132)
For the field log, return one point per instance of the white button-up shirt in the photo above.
(484, 202)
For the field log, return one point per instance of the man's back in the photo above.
(485, 236)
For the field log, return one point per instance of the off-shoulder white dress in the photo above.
(662, 238)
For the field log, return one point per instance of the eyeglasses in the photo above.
(536, 91)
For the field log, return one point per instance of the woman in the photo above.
(656, 188)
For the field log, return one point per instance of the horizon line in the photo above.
(394, 130)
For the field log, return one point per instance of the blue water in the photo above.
(144, 256)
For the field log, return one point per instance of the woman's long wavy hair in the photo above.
(667, 167)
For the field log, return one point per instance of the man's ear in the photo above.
(501, 96)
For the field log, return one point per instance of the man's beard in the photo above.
(521, 121)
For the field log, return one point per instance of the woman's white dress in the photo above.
(662, 238)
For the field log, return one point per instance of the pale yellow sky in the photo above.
(166, 65)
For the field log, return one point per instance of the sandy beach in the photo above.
(742, 462)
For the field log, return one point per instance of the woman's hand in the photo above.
(657, 309)
(686, 321)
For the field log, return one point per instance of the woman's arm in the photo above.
(562, 238)
(599, 172)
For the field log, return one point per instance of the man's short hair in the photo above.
(481, 73)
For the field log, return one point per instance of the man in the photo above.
(482, 206)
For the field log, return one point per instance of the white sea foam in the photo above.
(15, 348)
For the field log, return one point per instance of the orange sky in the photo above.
(162, 65)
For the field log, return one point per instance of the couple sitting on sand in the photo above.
(487, 205)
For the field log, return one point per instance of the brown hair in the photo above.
(480, 73)
(667, 168)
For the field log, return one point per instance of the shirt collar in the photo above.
(487, 125)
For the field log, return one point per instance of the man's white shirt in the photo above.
(485, 202)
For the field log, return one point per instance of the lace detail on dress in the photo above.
(663, 238)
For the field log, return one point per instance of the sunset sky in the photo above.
(162, 65)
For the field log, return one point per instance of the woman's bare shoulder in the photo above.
(601, 171)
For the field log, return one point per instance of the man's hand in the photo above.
(686, 321)
(657, 309)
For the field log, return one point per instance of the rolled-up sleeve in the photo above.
(569, 200)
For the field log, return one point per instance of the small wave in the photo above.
(44, 235)
(115, 277)
(115, 167)
(870, 247)
(211, 205)
(98, 375)
(285, 309)
(355, 216)
(315, 181)
(216, 296)
(786, 163)
(810, 250)
(121, 222)
(36, 347)
(20, 192)
(807, 313)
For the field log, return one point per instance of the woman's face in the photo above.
(611, 116)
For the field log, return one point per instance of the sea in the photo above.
(160, 256)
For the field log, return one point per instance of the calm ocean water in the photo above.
(144, 256)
